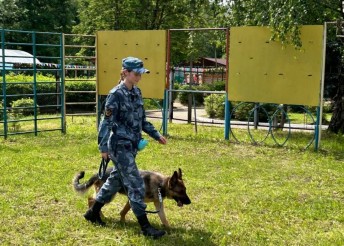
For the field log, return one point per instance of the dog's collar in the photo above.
(162, 190)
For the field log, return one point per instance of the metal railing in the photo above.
(24, 102)
(80, 67)
(259, 121)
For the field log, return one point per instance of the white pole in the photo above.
(322, 83)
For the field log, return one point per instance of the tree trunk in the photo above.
(337, 120)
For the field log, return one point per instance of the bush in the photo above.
(23, 107)
(215, 105)
(80, 97)
(243, 111)
(1, 110)
(176, 93)
(12, 88)
(183, 96)
(300, 108)
(199, 97)
(216, 86)
(152, 103)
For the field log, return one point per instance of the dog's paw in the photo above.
(122, 219)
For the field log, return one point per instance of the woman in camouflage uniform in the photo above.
(119, 134)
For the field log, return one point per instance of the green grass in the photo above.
(299, 118)
(241, 194)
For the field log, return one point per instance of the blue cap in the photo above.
(134, 64)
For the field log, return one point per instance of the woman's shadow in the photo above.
(174, 235)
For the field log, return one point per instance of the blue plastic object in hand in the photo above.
(142, 144)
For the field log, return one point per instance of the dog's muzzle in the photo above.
(182, 200)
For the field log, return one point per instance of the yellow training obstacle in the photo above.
(149, 46)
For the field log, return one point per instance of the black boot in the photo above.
(147, 229)
(93, 214)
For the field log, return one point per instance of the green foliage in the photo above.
(8, 13)
(23, 107)
(242, 111)
(1, 110)
(21, 77)
(216, 86)
(97, 15)
(42, 22)
(183, 96)
(284, 17)
(27, 87)
(215, 105)
(80, 86)
(175, 94)
(152, 104)
(38, 15)
(129, 15)
(199, 97)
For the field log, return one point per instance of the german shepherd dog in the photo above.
(171, 187)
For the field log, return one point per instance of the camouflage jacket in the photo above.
(124, 107)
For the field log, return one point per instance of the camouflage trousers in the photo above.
(122, 154)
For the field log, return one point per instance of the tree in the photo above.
(95, 15)
(98, 15)
(38, 15)
(335, 54)
(8, 13)
(285, 18)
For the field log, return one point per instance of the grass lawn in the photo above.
(299, 118)
(241, 194)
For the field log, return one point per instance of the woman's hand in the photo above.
(162, 140)
(105, 155)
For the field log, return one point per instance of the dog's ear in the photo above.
(174, 179)
(180, 175)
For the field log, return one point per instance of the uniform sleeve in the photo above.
(148, 128)
(110, 113)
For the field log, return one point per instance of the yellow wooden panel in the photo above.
(261, 70)
(149, 46)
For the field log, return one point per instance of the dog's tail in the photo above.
(82, 188)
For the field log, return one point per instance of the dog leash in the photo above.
(102, 168)
(160, 202)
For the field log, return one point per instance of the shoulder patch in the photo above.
(108, 112)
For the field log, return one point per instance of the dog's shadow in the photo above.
(174, 235)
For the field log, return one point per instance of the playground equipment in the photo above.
(42, 45)
(113, 46)
(54, 55)
(75, 73)
(264, 71)
(258, 70)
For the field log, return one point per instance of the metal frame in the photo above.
(68, 53)
(64, 54)
(169, 90)
(35, 46)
